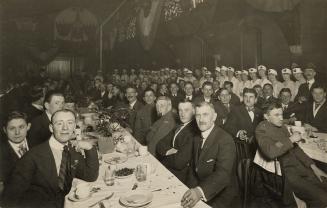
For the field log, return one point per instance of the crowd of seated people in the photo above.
(189, 119)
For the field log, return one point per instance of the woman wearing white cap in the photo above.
(277, 85)
(245, 83)
(254, 77)
(288, 83)
(298, 75)
(223, 73)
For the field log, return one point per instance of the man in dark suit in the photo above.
(43, 176)
(268, 93)
(15, 145)
(175, 150)
(163, 125)
(243, 119)
(223, 106)
(133, 105)
(35, 108)
(306, 180)
(39, 131)
(212, 177)
(291, 110)
(316, 110)
(188, 90)
(145, 117)
(207, 92)
(304, 93)
(235, 100)
(174, 95)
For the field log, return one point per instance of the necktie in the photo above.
(317, 105)
(250, 109)
(63, 168)
(22, 150)
(200, 145)
(227, 106)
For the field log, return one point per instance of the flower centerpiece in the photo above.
(110, 124)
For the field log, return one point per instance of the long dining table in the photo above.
(167, 190)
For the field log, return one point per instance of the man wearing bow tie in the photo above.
(243, 120)
(43, 176)
(14, 146)
(212, 177)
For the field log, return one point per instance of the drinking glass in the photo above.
(141, 172)
(109, 175)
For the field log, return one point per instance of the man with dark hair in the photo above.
(291, 110)
(39, 132)
(304, 93)
(243, 119)
(212, 177)
(223, 106)
(188, 90)
(274, 140)
(175, 149)
(133, 104)
(44, 175)
(175, 95)
(207, 92)
(145, 117)
(15, 145)
(235, 100)
(316, 110)
(35, 108)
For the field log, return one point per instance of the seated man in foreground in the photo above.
(306, 180)
(44, 174)
(212, 176)
(175, 150)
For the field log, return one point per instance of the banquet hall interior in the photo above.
(193, 83)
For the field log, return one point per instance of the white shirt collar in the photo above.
(49, 115)
(54, 144)
(39, 107)
(311, 81)
(207, 99)
(16, 146)
(206, 133)
(132, 104)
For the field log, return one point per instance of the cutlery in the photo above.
(108, 197)
(134, 186)
(156, 190)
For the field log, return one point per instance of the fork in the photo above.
(108, 197)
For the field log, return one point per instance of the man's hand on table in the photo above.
(321, 175)
(190, 198)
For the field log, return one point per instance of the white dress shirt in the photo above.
(39, 107)
(131, 105)
(310, 82)
(315, 110)
(16, 146)
(56, 148)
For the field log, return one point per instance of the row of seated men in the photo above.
(161, 134)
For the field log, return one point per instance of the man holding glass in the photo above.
(44, 174)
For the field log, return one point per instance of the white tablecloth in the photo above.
(170, 195)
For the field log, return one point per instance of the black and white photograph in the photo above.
(163, 104)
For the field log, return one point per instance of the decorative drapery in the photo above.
(59, 68)
(75, 24)
(148, 21)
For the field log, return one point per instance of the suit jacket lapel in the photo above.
(208, 143)
(248, 118)
(12, 152)
(48, 166)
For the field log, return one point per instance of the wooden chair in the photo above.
(244, 169)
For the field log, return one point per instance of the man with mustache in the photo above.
(212, 177)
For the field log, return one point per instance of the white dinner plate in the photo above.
(72, 197)
(136, 198)
(115, 158)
